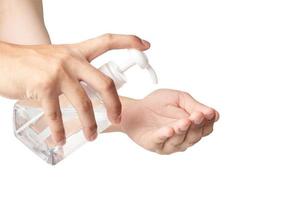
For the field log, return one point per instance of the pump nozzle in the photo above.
(115, 69)
(137, 57)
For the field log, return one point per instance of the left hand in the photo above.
(166, 121)
(45, 72)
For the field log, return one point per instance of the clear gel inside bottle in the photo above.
(30, 125)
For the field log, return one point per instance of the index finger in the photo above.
(92, 48)
(106, 87)
(187, 102)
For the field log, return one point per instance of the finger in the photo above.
(200, 122)
(208, 128)
(106, 88)
(81, 102)
(193, 136)
(174, 112)
(92, 48)
(217, 117)
(53, 117)
(173, 144)
(198, 118)
(191, 105)
(180, 127)
(160, 136)
(158, 139)
(195, 132)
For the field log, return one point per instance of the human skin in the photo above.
(17, 17)
(43, 72)
(166, 121)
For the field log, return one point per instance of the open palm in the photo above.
(167, 121)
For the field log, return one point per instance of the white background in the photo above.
(240, 57)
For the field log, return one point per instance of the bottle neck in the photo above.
(112, 70)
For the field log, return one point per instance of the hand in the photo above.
(43, 72)
(166, 121)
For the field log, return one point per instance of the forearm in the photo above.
(22, 22)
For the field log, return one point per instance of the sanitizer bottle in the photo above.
(30, 126)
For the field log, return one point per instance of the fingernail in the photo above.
(62, 142)
(118, 119)
(93, 137)
(146, 43)
(217, 117)
(210, 116)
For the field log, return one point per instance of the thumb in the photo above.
(93, 48)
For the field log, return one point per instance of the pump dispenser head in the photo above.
(136, 57)
(115, 69)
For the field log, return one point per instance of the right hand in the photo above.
(166, 121)
(43, 72)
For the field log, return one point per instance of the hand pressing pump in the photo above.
(30, 125)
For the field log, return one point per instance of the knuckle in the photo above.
(107, 39)
(53, 116)
(85, 105)
(59, 134)
(57, 61)
(66, 56)
(134, 39)
(56, 70)
(46, 84)
(62, 57)
(107, 36)
(108, 84)
(65, 52)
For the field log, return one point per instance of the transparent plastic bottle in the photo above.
(30, 126)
